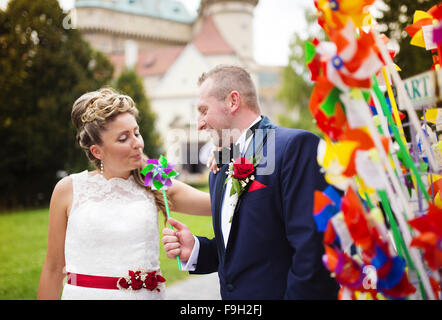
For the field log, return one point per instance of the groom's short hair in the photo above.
(227, 78)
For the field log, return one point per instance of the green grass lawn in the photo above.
(23, 242)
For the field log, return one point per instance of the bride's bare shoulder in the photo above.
(63, 194)
(64, 185)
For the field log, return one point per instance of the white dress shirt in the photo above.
(227, 206)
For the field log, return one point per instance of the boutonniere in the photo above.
(241, 172)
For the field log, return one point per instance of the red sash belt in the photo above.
(135, 281)
(98, 282)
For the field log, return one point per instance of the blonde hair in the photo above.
(227, 78)
(91, 114)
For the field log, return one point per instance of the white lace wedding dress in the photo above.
(112, 228)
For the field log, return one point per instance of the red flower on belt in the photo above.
(140, 279)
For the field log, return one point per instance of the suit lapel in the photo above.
(254, 149)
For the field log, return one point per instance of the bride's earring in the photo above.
(101, 167)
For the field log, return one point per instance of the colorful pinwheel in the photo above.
(359, 227)
(430, 237)
(365, 152)
(335, 158)
(350, 61)
(392, 281)
(338, 159)
(158, 174)
(423, 20)
(435, 188)
(335, 14)
(326, 108)
(347, 271)
(420, 19)
(326, 204)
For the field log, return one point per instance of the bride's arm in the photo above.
(187, 199)
(52, 274)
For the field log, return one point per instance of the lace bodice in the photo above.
(95, 188)
(112, 228)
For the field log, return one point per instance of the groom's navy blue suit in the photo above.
(274, 250)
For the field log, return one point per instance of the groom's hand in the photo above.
(178, 242)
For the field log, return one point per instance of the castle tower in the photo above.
(107, 24)
(234, 20)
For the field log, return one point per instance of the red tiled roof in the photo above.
(210, 41)
(157, 61)
(150, 63)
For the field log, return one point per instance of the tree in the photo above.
(45, 68)
(130, 84)
(296, 85)
(397, 15)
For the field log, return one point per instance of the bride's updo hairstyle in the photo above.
(91, 113)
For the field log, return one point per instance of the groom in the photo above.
(266, 245)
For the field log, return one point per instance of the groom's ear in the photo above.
(234, 101)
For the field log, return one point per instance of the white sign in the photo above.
(421, 89)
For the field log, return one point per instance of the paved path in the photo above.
(195, 287)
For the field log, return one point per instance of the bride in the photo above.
(103, 225)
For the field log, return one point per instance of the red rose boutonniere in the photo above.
(241, 172)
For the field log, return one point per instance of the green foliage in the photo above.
(397, 15)
(23, 241)
(131, 84)
(45, 68)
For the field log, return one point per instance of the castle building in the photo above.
(170, 48)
